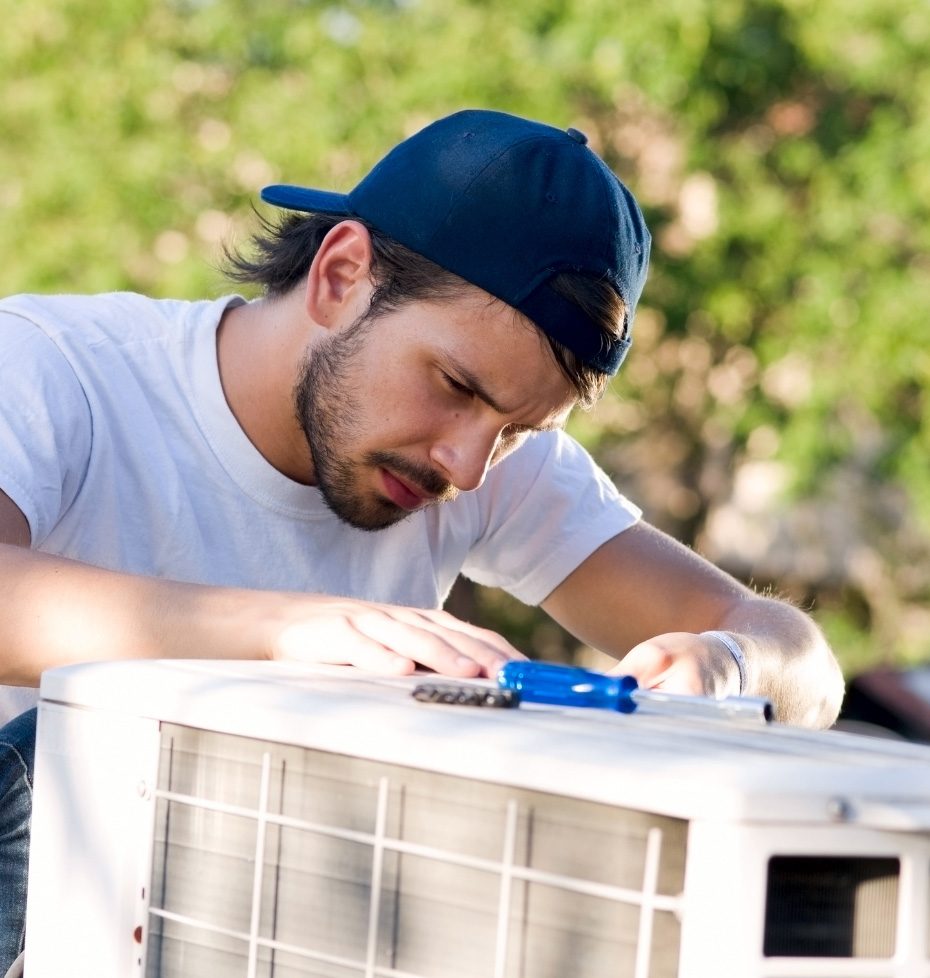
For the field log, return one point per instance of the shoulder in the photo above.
(100, 332)
(116, 314)
(30, 358)
(64, 308)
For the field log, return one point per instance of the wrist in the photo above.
(736, 653)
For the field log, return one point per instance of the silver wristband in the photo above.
(739, 657)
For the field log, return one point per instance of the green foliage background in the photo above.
(774, 411)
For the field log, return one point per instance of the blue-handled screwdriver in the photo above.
(561, 685)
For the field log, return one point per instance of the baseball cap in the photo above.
(505, 203)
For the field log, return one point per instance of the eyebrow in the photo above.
(481, 392)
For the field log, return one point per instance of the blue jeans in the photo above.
(17, 756)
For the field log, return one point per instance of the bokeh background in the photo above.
(774, 411)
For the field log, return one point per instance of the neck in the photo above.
(260, 347)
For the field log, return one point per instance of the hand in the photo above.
(390, 639)
(682, 662)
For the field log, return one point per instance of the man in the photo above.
(305, 475)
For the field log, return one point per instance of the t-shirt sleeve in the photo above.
(45, 425)
(548, 507)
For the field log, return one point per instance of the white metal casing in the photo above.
(745, 794)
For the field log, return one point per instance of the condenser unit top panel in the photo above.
(682, 766)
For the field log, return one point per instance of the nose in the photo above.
(465, 455)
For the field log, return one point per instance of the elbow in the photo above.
(832, 700)
(824, 712)
(826, 693)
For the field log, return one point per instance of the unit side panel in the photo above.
(91, 830)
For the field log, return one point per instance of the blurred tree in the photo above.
(774, 411)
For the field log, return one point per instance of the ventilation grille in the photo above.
(277, 862)
(831, 907)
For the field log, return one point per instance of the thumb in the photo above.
(670, 662)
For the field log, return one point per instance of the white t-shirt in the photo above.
(117, 444)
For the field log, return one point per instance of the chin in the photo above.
(371, 516)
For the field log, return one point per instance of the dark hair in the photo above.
(285, 251)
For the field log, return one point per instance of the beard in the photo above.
(326, 398)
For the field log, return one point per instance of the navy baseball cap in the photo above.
(506, 204)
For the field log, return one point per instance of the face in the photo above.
(413, 407)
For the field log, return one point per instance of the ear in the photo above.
(339, 282)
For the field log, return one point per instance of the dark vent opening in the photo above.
(831, 906)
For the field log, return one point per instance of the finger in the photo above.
(486, 648)
(485, 635)
(647, 662)
(673, 662)
(335, 641)
(392, 638)
(443, 650)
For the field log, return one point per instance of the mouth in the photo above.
(404, 494)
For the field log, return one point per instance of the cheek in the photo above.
(404, 414)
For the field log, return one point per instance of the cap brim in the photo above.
(306, 199)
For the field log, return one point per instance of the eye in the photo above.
(456, 385)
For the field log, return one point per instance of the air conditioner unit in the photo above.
(258, 820)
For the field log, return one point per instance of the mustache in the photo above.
(421, 476)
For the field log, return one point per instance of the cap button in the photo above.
(577, 135)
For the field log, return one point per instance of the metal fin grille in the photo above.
(276, 862)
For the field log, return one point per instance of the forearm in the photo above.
(786, 660)
(646, 599)
(57, 611)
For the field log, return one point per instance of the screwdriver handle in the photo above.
(550, 682)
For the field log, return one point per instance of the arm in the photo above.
(57, 611)
(644, 598)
